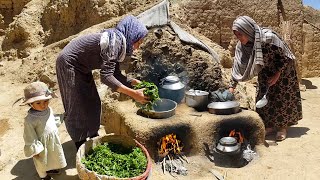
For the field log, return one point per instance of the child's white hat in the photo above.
(36, 91)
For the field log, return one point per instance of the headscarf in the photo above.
(133, 30)
(130, 30)
(248, 60)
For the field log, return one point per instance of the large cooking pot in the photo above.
(197, 99)
(171, 88)
(228, 145)
(162, 108)
(224, 108)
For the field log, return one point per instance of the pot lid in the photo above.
(228, 141)
(224, 105)
(171, 79)
(193, 92)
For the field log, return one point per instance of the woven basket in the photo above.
(125, 141)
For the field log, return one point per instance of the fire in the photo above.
(169, 144)
(237, 135)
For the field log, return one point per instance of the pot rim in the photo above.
(197, 93)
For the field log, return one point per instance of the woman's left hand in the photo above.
(274, 79)
(135, 82)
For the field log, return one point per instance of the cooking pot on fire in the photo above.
(171, 88)
(228, 145)
(224, 108)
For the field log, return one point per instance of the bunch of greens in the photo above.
(115, 160)
(151, 90)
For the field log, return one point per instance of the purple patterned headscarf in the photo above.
(133, 30)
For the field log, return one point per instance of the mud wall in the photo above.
(311, 56)
(8, 9)
(311, 40)
(64, 18)
(214, 18)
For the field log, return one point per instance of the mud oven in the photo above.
(197, 133)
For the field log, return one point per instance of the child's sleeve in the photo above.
(32, 145)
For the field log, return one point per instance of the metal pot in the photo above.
(224, 108)
(163, 108)
(172, 88)
(197, 99)
(228, 145)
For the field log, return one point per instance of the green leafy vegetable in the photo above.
(115, 160)
(151, 90)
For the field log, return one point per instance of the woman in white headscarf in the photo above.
(261, 52)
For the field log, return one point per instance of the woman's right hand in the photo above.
(136, 94)
(231, 89)
(140, 97)
(36, 156)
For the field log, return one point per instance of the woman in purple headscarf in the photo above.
(261, 52)
(74, 64)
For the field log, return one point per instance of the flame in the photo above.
(237, 135)
(169, 144)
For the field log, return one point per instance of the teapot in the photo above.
(172, 88)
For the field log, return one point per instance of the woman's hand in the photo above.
(36, 156)
(140, 97)
(231, 89)
(137, 95)
(135, 82)
(274, 79)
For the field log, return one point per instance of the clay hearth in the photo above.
(196, 130)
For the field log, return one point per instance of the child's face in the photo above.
(40, 105)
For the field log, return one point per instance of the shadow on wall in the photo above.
(24, 169)
(308, 84)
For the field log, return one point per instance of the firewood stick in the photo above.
(184, 158)
(180, 158)
(164, 165)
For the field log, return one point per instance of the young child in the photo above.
(41, 133)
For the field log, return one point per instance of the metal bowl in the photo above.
(163, 108)
(224, 108)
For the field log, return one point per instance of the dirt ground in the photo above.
(295, 158)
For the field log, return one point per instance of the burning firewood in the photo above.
(170, 149)
(237, 135)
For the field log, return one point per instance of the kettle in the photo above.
(172, 88)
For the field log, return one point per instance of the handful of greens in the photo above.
(115, 160)
(151, 90)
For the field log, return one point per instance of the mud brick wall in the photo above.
(8, 9)
(311, 56)
(214, 19)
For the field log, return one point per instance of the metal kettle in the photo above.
(172, 88)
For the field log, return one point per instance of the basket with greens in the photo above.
(151, 90)
(113, 157)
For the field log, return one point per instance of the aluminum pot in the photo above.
(228, 145)
(163, 108)
(171, 88)
(197, 99)
(224, 108)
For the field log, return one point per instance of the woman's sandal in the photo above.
(269, 131)
(281, 134)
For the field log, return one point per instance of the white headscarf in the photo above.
(248, 60)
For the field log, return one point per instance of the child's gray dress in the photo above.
(41, 137)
